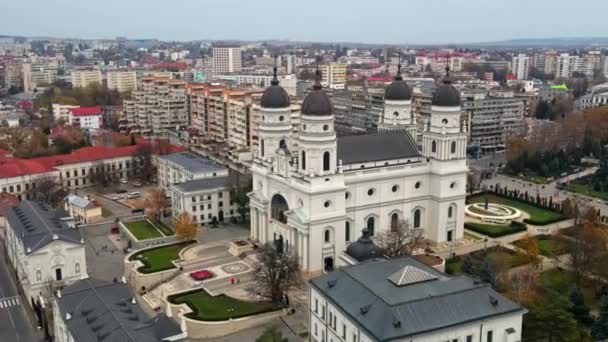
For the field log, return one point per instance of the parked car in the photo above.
(118, 197)
(135, 194)
(137, 184)
(202, 275)
(121, 191)
(115, 230)
(123, 181)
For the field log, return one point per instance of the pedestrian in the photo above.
(231, 281)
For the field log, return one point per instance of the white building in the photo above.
(520, 66)
(185, 166)
(85, 117)
(122, 81)
(333, 75)
(313, 192)
(98, 310)
(288, 82)
(83, 78)
(43, 247)
(566, 65)
(61, 112)
(81, 209)
(404, 300)
(226, 58)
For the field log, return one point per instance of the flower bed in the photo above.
(494, 230)
(159, 258)
(202, 275)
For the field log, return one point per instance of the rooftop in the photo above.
(79, 202)
(86, 111)
(96, 310)
(402, 297)
(211, 183)
(37, 226)
(376, 147)
(193, 163)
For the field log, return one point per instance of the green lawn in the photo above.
(453, 265)
(549, 246)
(587, 190)
(219, 308)
(144, 229)
(493, 230)
(159, 259)
(537, 215)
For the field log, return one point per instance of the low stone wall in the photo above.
(204, 329)
(147, 280)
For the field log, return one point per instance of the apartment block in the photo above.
(226, 58)
(122, 81)
(333, 75)
(40, 71)
(161, 104)
(83, 78)
(520, 66)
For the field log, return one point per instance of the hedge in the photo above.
(496, 231)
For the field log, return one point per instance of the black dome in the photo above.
(398, 90)
(317, 103)
(446, 96)
(275, 97)
(364, 248)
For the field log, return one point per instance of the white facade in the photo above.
(203, 204)
(93, 121)
(329, 323)
(566, 65)
(520, 66)
(122, 81)
(334, 75)
(183, 167)
(62, 112)
(305, 195)
(85, 78)
(226, 58)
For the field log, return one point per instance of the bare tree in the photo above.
(156, 202)
(143, 162)
(521, 285)
(276, 273)
(401, 239)
(48, 191)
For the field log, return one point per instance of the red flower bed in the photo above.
(202, 275)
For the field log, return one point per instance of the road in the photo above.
(15, 324)
(545, 190)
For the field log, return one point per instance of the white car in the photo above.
(123, 181)
(118, 197)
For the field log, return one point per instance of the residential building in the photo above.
(520, 66)
(160, 105)
(357, 109)
(334, 75)
(226, 58)
(596, 98)
(566, 65)
(288, 82)
(13, 74)
(122, 81)
(403, 299)
(312, 190)
(85, 117)
(82, 78)
(40, 71)
(81, 209)
(44, 248)
(94, 310)
(437, 61)
(493, 117)
(185, 166)
(62, 112)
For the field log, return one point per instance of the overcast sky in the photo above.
(370, 21)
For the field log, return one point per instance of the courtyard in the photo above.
(159, 258)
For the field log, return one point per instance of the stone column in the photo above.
(254, 224)
(305, 253)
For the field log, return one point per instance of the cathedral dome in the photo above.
(275, 96)
(398, 90)
(317, 103)
(446, 95)
(364, 248)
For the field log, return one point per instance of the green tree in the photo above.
(578, 308)
(549, 320)
(599, 329)
(271, 334)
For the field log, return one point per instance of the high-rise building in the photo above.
(333, 75)
(13, 76)
(82, 78)
(226, 58)
(160, 105)
(122, 81)
(520, 66)
(566, 65)
(40, 71)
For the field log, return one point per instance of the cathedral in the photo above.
(314, 193)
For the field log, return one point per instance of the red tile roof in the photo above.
(15, 167)
(86, 111)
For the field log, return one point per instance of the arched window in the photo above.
(417, 218)
(453, 147)
(394, 222)
(303, 160)
(282, 144)
(371, 222)
(450, 212)
(434, 146)
(77, 268)
(346, 231)
(327, 236)
(326, 161)
(262, 147)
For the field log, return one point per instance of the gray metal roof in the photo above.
(354, 149)
(410, 275)
(193, 163)
(104, 311)
(78, 201)
(36, 225)
(387, 311)
(212, 183)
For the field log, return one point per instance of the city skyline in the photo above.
(338, 21)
